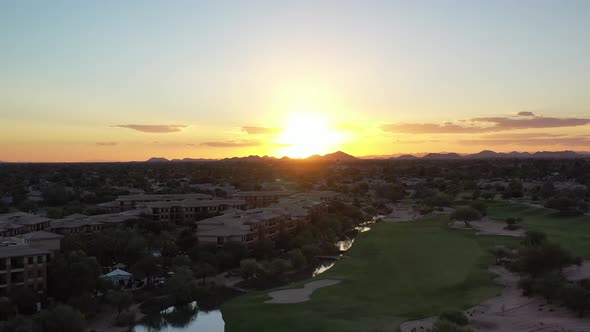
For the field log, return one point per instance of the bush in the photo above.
(126, 319)
(454, 316)
(446, 326)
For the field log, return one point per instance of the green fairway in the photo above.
(396, 272)
(571, 232)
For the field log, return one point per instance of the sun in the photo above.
(308, 132)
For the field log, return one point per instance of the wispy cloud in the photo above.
(231, 144)
(259, 130)
(525, 120)
(106, 143)
(430, 128)
(578, 141)
(160, 129)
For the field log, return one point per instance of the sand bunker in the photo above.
(510, 311)
(401, 212)
(488, 227)
(298, 295)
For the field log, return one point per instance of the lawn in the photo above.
(571, 232)
(396, 272)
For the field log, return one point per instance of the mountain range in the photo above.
(342, 156)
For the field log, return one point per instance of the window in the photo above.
(30, 260)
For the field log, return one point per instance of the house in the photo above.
(119, 277)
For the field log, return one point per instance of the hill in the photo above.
(336, 156)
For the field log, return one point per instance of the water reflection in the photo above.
(183, 318)
(323, 268)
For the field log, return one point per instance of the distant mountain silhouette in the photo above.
(342, 156)
(192, 160)
(406, 157)
(157, 160)
(450, 155)
(336, 156)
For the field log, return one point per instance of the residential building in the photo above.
(23, 265)
(191, 210)
(16, 223)
(256, 199)
(47, 240)
(130, 202)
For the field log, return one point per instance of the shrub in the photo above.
(454, 316)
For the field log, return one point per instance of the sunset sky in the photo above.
(128, 80)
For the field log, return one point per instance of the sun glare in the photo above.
(307, 133)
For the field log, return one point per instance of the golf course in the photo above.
(394, 273)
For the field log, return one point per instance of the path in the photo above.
(298, 295)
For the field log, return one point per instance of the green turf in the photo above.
(396, 272)
(572, 232)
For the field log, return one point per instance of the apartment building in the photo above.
(191, 210)
(130, 202)
(23, 265)
(80, 223)
(249, 226)
(257, 199)
(16, 223)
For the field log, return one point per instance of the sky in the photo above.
(128, 80)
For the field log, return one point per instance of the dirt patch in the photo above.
(510, 311)
(298, 295)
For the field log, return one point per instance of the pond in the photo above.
(186, 318)
(189, 318)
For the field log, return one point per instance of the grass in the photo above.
(572, 232)
(396, 272)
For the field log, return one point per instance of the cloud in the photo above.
(499, 123)
(259, 130)
(160, 129)
(430, 128)
(231, 144)
(525, 114)
(578, 141)
(486, 125)
(517, 136)
(106, 143)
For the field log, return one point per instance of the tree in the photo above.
(62, 318)
(576, 298)
(297, 258)
(147, 267)
(203, 270)
(25, 299)
(182, 287)
(249, 268)
(548, 257)
(500, 252)
(511, 223)
(534, 239)
(71, 274)
(549, 285)
(120, 300)
(480, 206)
(466, 215)
(86, 303)
(7, 310)
(278, 267)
